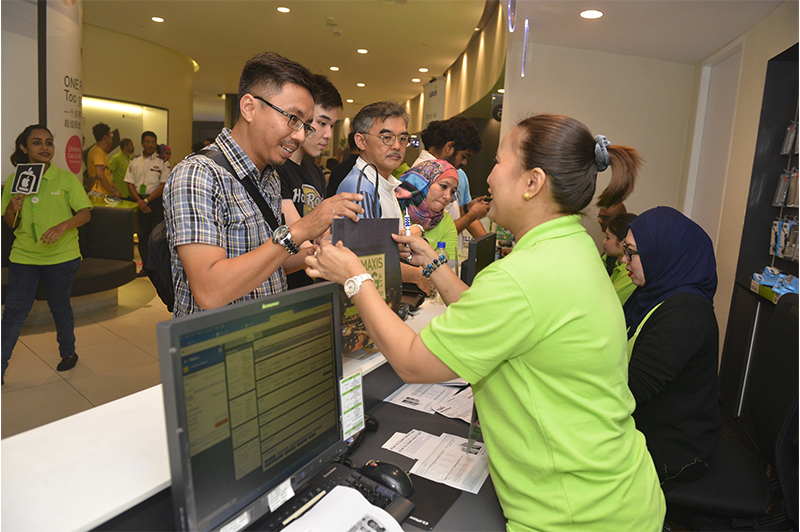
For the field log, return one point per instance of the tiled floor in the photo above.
(118, 356)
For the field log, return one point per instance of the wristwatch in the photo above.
(283, 236)
(353, 284)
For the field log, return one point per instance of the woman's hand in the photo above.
(53, 234)
(15, 204)
(334, 263)
(415, 249)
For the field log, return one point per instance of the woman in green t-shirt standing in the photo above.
(539, 335)
(45, 246)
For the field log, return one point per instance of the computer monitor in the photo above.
(251, 403)
(481, 254)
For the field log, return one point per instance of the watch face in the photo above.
(350, 287)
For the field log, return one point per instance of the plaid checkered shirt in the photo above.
(204, 204)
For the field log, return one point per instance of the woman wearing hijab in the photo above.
(673, 340)
(424, 192)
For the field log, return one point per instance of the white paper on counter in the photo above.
(343, 510)
(458, 406)
(450, 464)
(416, 444)
(421, 397)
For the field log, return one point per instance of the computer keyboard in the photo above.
(323, 483)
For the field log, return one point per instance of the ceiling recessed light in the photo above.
(591, 13)
(284, 9)
(335, 69)
(415, 80)
(501, 91)
(157, 19)
(349, 100)
(423, 69)
(362, 50)
(360, 85)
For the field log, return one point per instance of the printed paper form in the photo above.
(352, 405)
(344, 510)
(458, 406)
(449, 464)
(421, 397)
(416, 444)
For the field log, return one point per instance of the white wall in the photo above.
(634, 101)
(20, 106)
(165, 82)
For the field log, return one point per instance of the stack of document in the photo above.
(450, 400)
(443, 458)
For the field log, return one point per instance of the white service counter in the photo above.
(77, 473)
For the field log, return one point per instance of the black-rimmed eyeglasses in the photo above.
(629, 251)
(294, 122)
(388, 138)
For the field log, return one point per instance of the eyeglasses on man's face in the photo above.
(628, 251)
(388, 138)
(294, 122)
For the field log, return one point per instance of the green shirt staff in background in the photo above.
(118, 164)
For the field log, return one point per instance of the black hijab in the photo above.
(677, 256)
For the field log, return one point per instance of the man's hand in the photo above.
(478, 208)
(320, 219)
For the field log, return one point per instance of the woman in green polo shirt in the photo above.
(539, 335)
(616, 231)
(45, 246)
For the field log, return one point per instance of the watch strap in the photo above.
(287, 241)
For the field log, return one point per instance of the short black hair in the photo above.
(269, 72)
(100, 130)
(149, 134)
(428, 133)
(325, 94)
(124, 142)
(461, 131)
(618, 225)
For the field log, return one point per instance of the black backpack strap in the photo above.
(250, 187)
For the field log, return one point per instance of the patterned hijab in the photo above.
(414, 187)
(677, 256)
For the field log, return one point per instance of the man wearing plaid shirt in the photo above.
(223, 250)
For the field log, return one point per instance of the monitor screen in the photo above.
(481, 254)
(251, 402)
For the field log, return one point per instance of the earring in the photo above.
(526, 196)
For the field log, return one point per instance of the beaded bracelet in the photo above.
(428, 270)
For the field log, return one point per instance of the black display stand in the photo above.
(751, 313)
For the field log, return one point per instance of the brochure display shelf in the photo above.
(752, 305)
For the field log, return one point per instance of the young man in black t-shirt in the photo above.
(302, 181)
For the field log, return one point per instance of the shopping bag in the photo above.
(370, 239)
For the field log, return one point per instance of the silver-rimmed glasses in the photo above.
(388, 138)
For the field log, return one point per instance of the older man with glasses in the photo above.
(223, 249)
(381, 133)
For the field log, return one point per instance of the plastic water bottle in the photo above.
(451, 262)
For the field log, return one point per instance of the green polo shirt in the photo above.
(60, 193)
(118, 165)
(445, 231)
(622, 282)
(540, 335)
